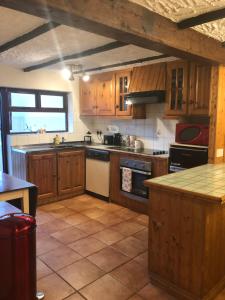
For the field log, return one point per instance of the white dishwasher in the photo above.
(98, 172)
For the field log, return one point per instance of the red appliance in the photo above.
(192, 134)
(17, 257)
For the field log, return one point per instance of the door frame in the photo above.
(4, 115)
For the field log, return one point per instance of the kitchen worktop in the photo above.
(75, 145)
(207, 181)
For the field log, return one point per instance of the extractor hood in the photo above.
(145, 97)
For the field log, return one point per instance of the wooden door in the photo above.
(42, 172)
(70, 172)
(122, 89)
(177, 88)
(106, 94)
(88, 104)
(199, 89)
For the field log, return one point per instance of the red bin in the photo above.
(17, 257)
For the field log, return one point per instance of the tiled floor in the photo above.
(89, 249)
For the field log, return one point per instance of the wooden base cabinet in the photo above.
(70, 172)
(42, 171)
(57, 174)
(186, 243)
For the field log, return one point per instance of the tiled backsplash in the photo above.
(155, 131)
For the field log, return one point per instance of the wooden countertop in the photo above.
(10, 183)
(207, 181)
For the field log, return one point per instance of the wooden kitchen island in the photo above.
(187, 232)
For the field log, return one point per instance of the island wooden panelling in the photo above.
(186, 244)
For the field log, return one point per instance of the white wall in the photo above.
(155, 131)
(45, 80)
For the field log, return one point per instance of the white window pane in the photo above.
(33, 121)
(51, 101)
(22, 100)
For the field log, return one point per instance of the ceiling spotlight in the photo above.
(66, 73)
(86, 77)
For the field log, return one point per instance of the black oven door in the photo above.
(138, 178)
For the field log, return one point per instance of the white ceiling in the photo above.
(178, 10)
(65, 40)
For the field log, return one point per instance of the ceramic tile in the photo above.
(130, 246)
(69, 235)
(107, 286)
(108, 259)
(128, 227)
(152, 292)
(54, 287)
(76, 219)
(87, 246)
(81, 273)
(42, 269)
(108, 236)
(91, 227)
(109, 219)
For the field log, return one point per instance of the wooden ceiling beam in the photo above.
(89, 52)
(126, 22)
(125, 63)
(28, 36)
(201, 19)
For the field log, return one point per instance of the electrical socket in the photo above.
(99, 132)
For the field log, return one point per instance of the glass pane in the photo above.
(125, 84)
(22, 100)
(121, 85)
(33, 121)
(51, 101)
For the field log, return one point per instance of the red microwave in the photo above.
(192, 134)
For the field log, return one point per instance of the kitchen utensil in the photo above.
(132, 140)
(138, 144)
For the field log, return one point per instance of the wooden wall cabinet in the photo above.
(57, 174)
(122, 89)
(177, 88)
(70, 172)
(199, 89)
(88, 98)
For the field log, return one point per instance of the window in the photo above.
(31, 110)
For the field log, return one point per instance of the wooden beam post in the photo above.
(217, 116)
(127, 22)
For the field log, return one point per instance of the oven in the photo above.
(133, 173)
(186, 156)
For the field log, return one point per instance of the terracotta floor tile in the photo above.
(60, 257)
(42, 269)
(142, 219)
(51, 206)
(43, 217)
(69, 235)
(94, 212)
(76, 219)
(108, 236)
(53, 226)
(128, 228)
(126, 214)
(106, 288)
(132, 275)
(221, 296)
(111, 207)
(109, 219)
(62, 212)
(81, 205)
(142, 235)
(46, 243)
(154, 293)
(54, 287)
(76, 297)
(87, 246)
(130, 246)
(136, 297)
(81, 273)
(91, 227)
(108, 259)
(142, 259)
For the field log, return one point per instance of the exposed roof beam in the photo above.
(104, 48)
(28, 36)
(126, 63)
(201, 19)
(127, 22)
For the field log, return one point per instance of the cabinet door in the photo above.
(176, 88)
(70, 172)
(199, 91)
(106, 94)
(42, 172)
(88, 98)
(122, 88)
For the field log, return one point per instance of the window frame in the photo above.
(37, 107)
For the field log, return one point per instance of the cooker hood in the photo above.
(148, 97)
